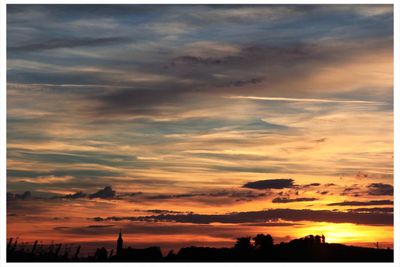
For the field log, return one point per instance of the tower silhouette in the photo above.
(120, 243)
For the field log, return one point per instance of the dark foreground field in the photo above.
(307, 249)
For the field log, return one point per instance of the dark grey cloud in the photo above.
(265, 215)
(354, 190)
(130, 194)
(163, 97)
(61, 228)
(362, 203)
(137, 100)
(251, 56)
(255, 64)
(270, 184)
(67, 42)
(289, 200)
(329, 184)
(379, 210)
(106, 192)
(75, 195)
(31, 206)
(193, 60)
(311, 185)
(380, 189)
(68, 12)
(174, 196)
(24, 196)
(211, 197)
(160, 211)
(96, 226)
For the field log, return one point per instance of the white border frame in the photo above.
(3, 119)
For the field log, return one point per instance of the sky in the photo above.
(197, 124)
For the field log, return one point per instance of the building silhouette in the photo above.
(135, 254)
(120, 243)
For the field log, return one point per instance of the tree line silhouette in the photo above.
(261, 248)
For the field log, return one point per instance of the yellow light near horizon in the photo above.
(348, 232)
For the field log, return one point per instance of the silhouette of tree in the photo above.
(101, 254)
(243, 244)
(111, 253)
(77, 252)
(171, 253)
(317, 240)
(34, 247)
(263, 242)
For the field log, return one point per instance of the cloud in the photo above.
(229, 77)
(250, 169)
(51, 179)
(306, 186)
(106, 192)
(380, 189)
(288, 200)
(314, 100)
(137, 100)
(75, 195)
(71, 157)
(160, 211)
(379, 210)
(212, 197)
(362, 203)
(330, 184)
(100, 226)
(231, 156)
(164, 97)
(130, 194)
(24, 196)
(67, 42)
(77, 173)
(270, 184)
(312, 184)
(174, 196)
(265, 215)
(353, 190)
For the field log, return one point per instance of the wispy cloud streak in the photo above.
(313, 100)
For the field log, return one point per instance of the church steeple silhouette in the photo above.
(120, 243)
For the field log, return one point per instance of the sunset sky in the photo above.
(195, 125)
